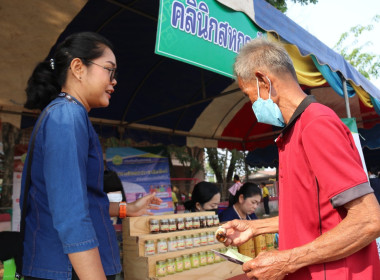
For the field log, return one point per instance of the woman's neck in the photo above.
(241, 214)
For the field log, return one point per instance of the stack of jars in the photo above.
(186, 262)
(178, 224)
(176, 243)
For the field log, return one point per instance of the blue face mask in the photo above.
(267, 111)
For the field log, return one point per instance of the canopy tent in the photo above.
(160, 100)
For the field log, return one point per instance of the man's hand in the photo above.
(238, 232)
(143, 205)
(271, 265)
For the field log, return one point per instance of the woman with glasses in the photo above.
(245, 202)
(68, 231)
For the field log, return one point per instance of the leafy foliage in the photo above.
(188, 157)
(367, 64)
(225, 163)
(281, 4)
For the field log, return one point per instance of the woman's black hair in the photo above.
(50, 75)
(247, 190)
(202, 193)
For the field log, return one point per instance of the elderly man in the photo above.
(328, 215)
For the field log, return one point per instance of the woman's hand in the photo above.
(239, 232)
(143, 205)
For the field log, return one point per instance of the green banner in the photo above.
(351, 123)
(203, 33)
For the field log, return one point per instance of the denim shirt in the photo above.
(68, 211)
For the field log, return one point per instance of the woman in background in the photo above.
(205, 197)
(245, 202)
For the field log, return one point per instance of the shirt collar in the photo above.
(300, 109)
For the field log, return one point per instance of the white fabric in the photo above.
(245, 6)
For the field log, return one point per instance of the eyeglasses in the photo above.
(112, 71)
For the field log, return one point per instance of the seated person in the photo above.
(245, 202)
(205, 197)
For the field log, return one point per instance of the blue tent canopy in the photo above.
(159, 100)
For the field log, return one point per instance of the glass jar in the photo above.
(188, 223)
(196, 240)
(160, 268)
(172, 225)
(149, 248)
(194, 259)
(180, 224)
(179, 264)
(210, 257)
(180, 243)
(196, 223)
(204, 239)
(202, 221)
(170, 266)
(164, 225)
(154, 226)
(202, 259)
(172, 244)
(188, 241)
(216, 220)
(210, 238)
(186, 262)
(217, 258)
(210, 221)
(162, 246)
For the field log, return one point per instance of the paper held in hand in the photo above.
(233, 256)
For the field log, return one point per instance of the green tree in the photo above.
(225, 164)
(191, 158)
(282, 6)
(352, 49)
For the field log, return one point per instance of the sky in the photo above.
(329, 19)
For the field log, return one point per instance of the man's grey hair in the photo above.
(261, 54)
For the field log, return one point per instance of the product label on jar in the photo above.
(164, 227)
(171, 268)
(161, 269)
(162, 247)
(186, 263)
(196, 241)
(202, 259)
(204, 240)
(211, 238)
(210, 257)
(194, 261)
(210, 221)
(179, 265)
(189, 242)
(172, 227)
(172, 245)
(154, 228)
(180, 244)
(180, 225)
(149, 249)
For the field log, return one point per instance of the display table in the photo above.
(137, 265)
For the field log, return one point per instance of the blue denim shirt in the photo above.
(68, 211)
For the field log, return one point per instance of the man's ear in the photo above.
(262, 78)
